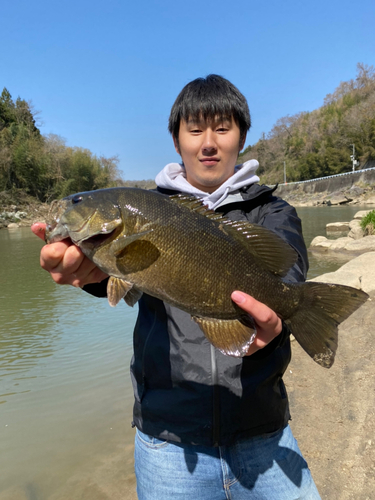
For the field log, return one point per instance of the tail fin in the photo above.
(323, 307)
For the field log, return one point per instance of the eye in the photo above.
(76, 199)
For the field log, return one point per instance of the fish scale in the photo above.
(177, 250)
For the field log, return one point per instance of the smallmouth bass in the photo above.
(177, 250)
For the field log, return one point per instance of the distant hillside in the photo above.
(319, 143)
(43, 166)
(145, 184)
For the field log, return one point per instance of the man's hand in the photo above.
(268, 323)
(66, 263)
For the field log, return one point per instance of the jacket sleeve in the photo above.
(282, 218)
(97, 289)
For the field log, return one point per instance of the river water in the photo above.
(65, 392)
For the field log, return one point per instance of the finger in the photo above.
(76, 269)
(51, 256)
(268, 323)
(39, 229)
(64, 273)
(262, 314)
(87, 273)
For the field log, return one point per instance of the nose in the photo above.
(209, 146)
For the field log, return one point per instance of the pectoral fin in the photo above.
(231, 337)
(116, 290)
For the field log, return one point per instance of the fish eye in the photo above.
(76, 199)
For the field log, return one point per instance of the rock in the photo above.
(369, 201)
(321, 242)
(359, 215)
(356, 191)
(356, 232)
(363, 245)
(334, 410)
(14, 493)
(340, 243)
(346, 244)
(20, 215)
(338, 227)
(338, 200)
(359, 273)
(13, 225)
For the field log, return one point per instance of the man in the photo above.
(209, 426)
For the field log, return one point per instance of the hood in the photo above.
(173, 176)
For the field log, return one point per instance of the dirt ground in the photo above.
(333, 411)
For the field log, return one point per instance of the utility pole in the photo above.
(355, 162)
(284, 173)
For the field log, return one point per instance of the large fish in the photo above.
(177, 250)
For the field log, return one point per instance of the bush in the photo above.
(368, 223)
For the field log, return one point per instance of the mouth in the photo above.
(210, 161)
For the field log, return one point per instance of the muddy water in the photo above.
(65, 392)
(65, 397)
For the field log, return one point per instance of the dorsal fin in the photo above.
(273, 252)
(196, 205)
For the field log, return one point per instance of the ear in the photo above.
(176, 144)
(242, 142)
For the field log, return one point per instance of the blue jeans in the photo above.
(267, 467)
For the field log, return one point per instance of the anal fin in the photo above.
(231, 337)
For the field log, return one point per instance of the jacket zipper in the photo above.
(215, 398)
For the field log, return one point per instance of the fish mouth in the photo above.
(56, 232)
(59, 230)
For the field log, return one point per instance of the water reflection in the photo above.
(64, 380)
(26, 301)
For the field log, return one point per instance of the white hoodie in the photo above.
(173, 176)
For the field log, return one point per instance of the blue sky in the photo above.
(104, 74)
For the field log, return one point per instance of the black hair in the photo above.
(209, 98)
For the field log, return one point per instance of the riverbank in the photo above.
(20, 209)
(355, 195)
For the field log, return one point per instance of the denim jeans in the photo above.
(267, 467)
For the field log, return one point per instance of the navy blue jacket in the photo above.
(188, 391)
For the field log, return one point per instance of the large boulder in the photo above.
(334, 410)
(359, 215)
(337, 227)
(359, 273)
(338, 200)
(320, 243)
(356, 232)
(345, 244)
(369, 201)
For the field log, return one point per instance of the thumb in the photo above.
(39, 229)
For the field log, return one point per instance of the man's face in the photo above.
(209, 151)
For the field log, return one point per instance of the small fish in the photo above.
(175, 249)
